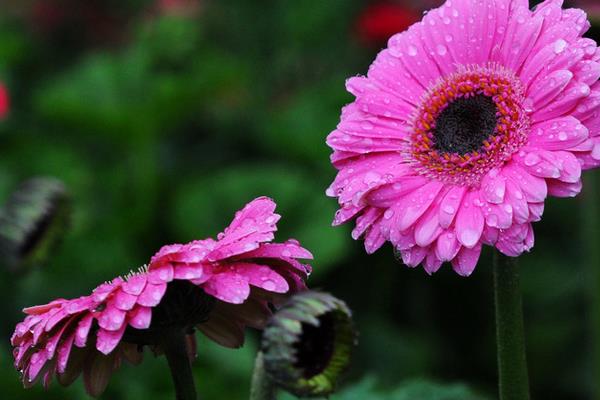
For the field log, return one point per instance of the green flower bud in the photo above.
(307, 344)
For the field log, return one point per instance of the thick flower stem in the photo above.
(512, 365)
(175, 348)
(262, 387)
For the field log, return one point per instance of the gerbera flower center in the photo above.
(468, 123)
(464, 124)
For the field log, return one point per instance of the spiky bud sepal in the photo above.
(32, 222)
(307, 344)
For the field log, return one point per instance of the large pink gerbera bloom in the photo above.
(463, 126)
(215, 286)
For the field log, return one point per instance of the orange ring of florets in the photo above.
(510, 134)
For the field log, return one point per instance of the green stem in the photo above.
(591, 233)
(262, 387)
(175, 348)
(512, 364)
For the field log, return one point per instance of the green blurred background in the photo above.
(164, 117)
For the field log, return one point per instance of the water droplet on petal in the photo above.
(448, 209)
(559, 46)
(269, 285)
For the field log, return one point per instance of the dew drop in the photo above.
(367, 125)
(559, 46)
(531, 159)
(448, 209)
(562, 136)
(269, 285)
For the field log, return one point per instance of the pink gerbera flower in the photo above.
(215, 286)
(463, 126)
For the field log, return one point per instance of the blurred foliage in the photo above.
(409, 390)
(162, 124)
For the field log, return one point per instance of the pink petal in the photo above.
(261, 276)
(135, 284)
(160, 273)
(450, 204)
(123, 300)
(188, 271)
(413, 256)
(152, 294)
(409, 49)
(493, 188)
(544, 91)
(447, 246)
(415, 204)
(469, 221)
(374, 239)
(534, 188)
(111, 319)
(229, 287)
(280, 250)
(563, 189)
(64, 350)
(522, 33)
(428, 227)
(83, 329)
(558, 134)
(432, 263)
(519, 206)
(107, 341)
(566, 101)
(389, 195)
(466, 260)
(140, 317)
(255, 223)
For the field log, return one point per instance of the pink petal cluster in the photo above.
(431, 218)
(242, 270)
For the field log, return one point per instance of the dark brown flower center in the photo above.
(315, 347)
(465, 124)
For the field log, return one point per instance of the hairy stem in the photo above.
(262, 387)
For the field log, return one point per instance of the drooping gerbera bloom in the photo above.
(216, 286)
(463, 126)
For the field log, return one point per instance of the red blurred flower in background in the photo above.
(4, 101)
(381, 20)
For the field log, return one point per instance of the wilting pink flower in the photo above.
(216, 286)
(463, 126)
